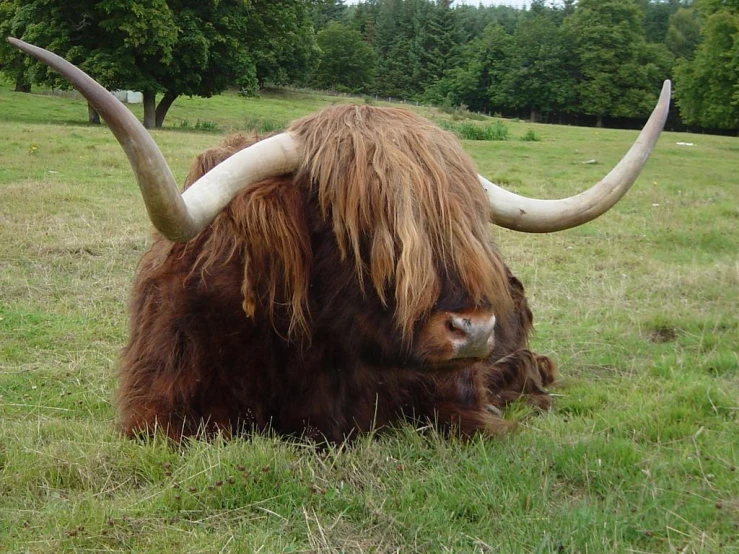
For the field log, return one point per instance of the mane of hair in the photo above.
(405, 203)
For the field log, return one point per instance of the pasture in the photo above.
(638, 308)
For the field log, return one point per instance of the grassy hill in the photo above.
(639, 309)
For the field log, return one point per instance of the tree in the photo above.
(324, 12)
(615, 73)
(475, 19)
(171, 47)
(393, 42)
(347, 61)
(11, 60)
(279, 36)
(482, 80)
(84, 32)
(683, 33)
(540, 78)
(657, 18)
(363, 17)
(438, 39)
(707, 87)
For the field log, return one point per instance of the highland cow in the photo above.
(332, 279)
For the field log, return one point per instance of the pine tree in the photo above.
(439, 40)
(394, 45)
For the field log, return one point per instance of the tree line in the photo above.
(590, 61)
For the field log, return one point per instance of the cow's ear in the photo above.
(271, 219)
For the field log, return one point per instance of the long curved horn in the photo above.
(533, 215)
(179, 217)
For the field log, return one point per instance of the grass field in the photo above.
(639, 308)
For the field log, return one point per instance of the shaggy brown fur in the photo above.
(311, 305)
(397, 183)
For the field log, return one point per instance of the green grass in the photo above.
(639, 308)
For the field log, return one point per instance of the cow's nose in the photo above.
(471, 337)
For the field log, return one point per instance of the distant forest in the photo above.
(593, 62)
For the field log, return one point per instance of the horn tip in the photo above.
(19, 44)
(667, 87)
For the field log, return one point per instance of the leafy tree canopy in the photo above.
(609, 43)
(707, 87)
(541, 78)
(683, 33)
(171, 47)
(347, 61)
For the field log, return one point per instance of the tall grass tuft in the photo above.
(497, 131)
(200, 125)
(262, 125)
(530, 136)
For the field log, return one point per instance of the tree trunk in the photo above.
(150, 102)
(599, 121)
(532, 116)
(164, 104)
(21, 83)
(93, 118)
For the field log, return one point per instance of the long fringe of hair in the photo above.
(405, 203)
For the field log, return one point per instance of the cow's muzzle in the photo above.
(471, 336)
(450, 338)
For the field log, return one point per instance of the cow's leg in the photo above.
(192, 403)
(472, 401)
(522, 374)
(451, 418)
(459, 404)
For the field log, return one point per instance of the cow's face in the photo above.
(403, 267)
(299, 280)
(394, 291)
(384, 245)
(454, 330)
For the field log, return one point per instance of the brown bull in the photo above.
(335, 278)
